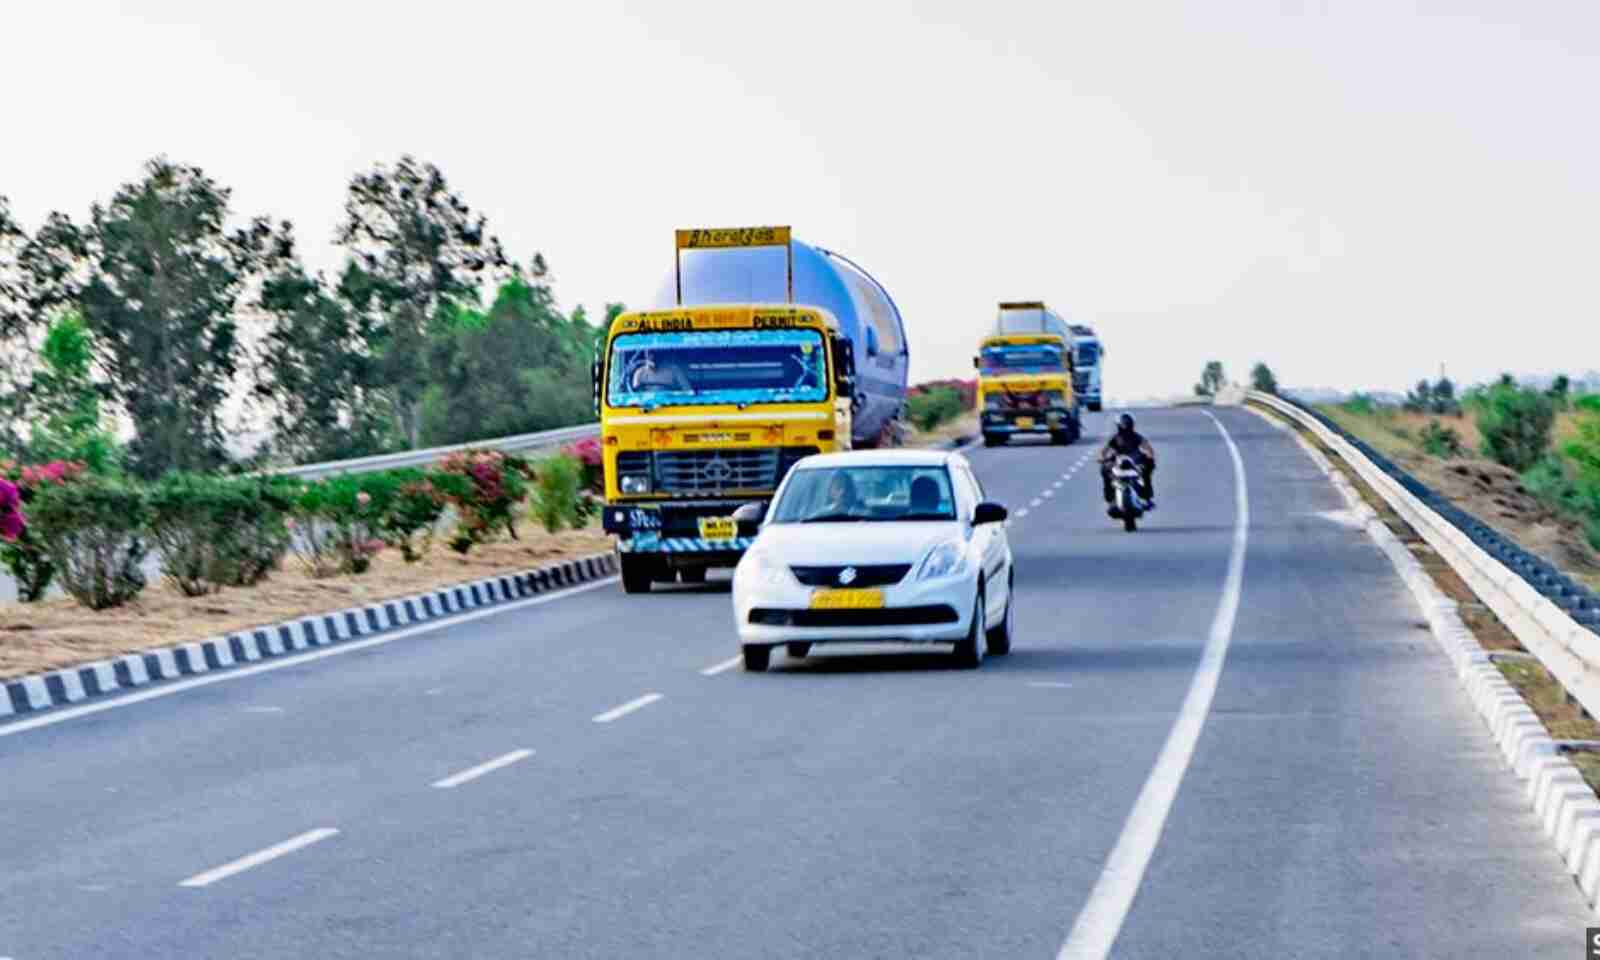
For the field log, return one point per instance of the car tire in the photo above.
(692, 574)
(637, 573)
(756, 657)
(798, 649)
(1000, 637)
(969, 651)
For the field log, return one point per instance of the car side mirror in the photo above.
(989, 512)
(975, 363)
(748, 517)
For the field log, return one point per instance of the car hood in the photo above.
(821, 544)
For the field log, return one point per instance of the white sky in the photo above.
(1352, 192)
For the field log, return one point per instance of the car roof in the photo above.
(882, 458)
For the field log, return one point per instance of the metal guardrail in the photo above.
(418, 458)
(1553, 617)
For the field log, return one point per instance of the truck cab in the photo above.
(1025, 387)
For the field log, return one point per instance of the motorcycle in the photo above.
(1129, 505)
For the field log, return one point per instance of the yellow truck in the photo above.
(1025, 377)
(707, 403)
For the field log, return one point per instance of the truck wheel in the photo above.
(1061, 437)
(637, 573)
(692, 574)
(993, 439)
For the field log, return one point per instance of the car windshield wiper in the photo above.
(833, 518)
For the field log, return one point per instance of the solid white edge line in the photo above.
(349, 646)
(259, 857)
(717, 668)
(1102, 916)
(638, 703)
(488, 766)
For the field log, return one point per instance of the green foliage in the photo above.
(1261, 379)
(65, 401)
(1437, 398)
(1560, 392)
(317, 369)
(1515, 424)
(558, 498)
(1360, 404)
(408, 506)
(336, 525)
(928, 409)
(94, 530)
(1440, 441)
(415, 248)
(516, 368)
(159, 304)
(1212, 379)
(217, 531)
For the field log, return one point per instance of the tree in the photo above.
(14, 328)
(1560, 392)
(415, 246)
(66, 400)
(1444, 397)
(1261, 379)
(518, 367)
(316, 370)
(1211, 380)
(159, 302)
(1420, 400)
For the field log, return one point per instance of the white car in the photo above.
(892, 545)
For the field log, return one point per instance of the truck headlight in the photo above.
(634, 483)
(944, 560)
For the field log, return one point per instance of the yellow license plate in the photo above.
(718, 528)
(1024, 423)
(846, 599)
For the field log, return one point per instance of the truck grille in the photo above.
(713, 471)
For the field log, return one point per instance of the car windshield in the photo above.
(1021, 358)
(697, 367)
(845, 494)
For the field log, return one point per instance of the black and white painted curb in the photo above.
(1567, 808)
(27, 695)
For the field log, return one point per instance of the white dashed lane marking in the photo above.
(616, 713)
(259, 857)
(473, 773)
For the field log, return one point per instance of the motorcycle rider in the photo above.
(1130, 442)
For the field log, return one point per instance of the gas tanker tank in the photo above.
(866, 314)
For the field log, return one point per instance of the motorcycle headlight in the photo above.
(944, 560)
(634, 483)
(761, 567)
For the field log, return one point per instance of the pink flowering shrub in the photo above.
(484, 487)
(588, 454)
(22, 548)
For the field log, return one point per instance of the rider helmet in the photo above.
(1125, 422)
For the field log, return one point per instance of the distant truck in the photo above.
(1025, 382)
(765, 351)
(1087, 352)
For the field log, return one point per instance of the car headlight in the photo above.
(944, 560)
(634, 483)
(762, 567)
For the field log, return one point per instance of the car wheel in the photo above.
(969, 651)
(798, 650)
(692, 574)
(756, 657)
(637, 573)
(1000, 637)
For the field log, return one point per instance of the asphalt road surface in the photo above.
(590, 776)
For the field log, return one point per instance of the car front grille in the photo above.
(880, 617)
(866, 575)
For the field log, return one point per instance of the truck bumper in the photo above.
(672, 531)
(1043, 421)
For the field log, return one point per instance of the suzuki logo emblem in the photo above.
(847, 576)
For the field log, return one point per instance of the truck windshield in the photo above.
(699, 367)
(1021, 358)
(1088, 354)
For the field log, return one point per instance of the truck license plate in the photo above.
(1024, 423)
(846, 599)
(718, 528)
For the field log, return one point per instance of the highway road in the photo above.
(1174, 761)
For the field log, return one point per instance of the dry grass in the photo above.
(58, 633)
(965, 425)
(1561, 716)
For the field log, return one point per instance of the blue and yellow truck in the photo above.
(1025, 377)
(768, 350)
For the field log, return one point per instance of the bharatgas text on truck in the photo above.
(1025, 377)
(765, 350)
